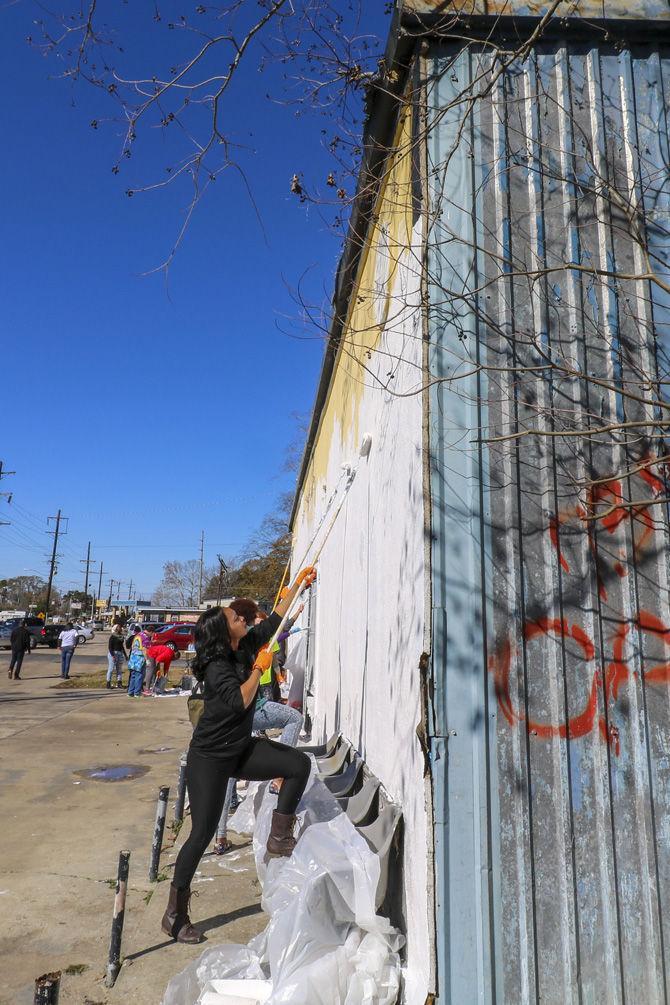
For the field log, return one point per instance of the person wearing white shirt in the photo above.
(67, 640)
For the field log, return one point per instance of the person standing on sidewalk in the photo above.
(67, 642)
(137, 661)
(20, 640)
(116, 656)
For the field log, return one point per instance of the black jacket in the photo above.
(20, 639)
(225, 724)
(116, 644)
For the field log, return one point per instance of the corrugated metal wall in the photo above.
(551, 630)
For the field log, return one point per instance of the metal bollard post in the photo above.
(114, 963)
(159, 826)
(181, 791)
(47, 989)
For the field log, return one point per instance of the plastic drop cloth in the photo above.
(324, 943)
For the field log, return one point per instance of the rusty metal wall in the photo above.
(551, 613)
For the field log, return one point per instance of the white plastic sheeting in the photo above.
(324, 943)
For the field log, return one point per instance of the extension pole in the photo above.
(114, 962)
(181, 791)
(159, 827)
(350, 477)
(47, 989)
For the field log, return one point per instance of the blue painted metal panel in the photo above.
(551, 715)
(460, 766)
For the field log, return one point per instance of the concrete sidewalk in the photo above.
(62, 833)
(225, 908)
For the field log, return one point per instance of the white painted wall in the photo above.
(369, 625)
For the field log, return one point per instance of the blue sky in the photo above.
(98, 359)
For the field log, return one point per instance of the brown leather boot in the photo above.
(176, 921)
(281, 841)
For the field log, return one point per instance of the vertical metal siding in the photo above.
(551, 714)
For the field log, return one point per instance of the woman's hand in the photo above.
(306, 576)
(304, 579)
(263, 660)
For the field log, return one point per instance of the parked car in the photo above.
(33, 624)
(84, 634)
(152, 626)
(177, 637)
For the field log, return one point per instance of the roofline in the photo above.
(384, 102)
(410, 28)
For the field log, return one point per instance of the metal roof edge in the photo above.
(383, 104)
(411, 26)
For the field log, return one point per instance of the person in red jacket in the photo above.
(160, 655)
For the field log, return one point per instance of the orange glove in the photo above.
(306, 576)
(284, 593)
(263, 660)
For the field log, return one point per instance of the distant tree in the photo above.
(180, 583)
(258, 571)
(23, 592)
(76, 597)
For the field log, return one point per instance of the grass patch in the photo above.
(96, 679)
(111, 883)
(85, 680)
(147, 897)
(77, 968)
(161, 877)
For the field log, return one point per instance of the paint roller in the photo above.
(349, 473)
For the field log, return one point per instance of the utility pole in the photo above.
(111, 590)
(89, 563)
(99, 591)
(3, 474)
(130, 590)
(223, 569)
(56, 533)
(202, 562)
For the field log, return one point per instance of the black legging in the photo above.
(207, 779)
(17, 660)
